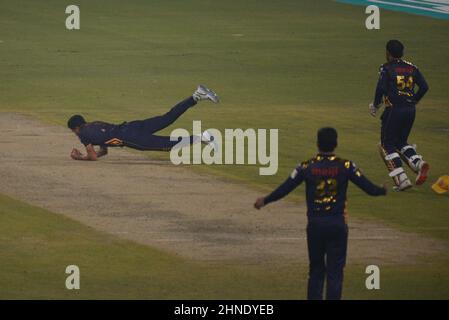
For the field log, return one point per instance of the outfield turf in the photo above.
(37, 245)
(292, 65)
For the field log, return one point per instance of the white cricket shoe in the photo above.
(204, 93)
(208, 139)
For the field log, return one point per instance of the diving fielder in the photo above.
(326, 177)
(396, 89)
(139, 134)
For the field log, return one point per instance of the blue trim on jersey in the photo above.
(435, 9)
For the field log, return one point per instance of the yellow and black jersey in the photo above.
(326, 178)
(396, 84)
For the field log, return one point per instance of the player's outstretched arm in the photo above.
(284, 189)
(356, 176)
(91, 154)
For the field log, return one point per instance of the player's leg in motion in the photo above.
(408, 152)
(160, 143)
(158, 123)
(387, 148)
(140, 134)
(317, 267)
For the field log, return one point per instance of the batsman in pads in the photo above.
(138, 134)
(396, 90)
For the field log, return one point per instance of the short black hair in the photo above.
(75, 121)
(395, 48)
(327, 139)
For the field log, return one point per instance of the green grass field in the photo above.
(292, 65)
(37, 245)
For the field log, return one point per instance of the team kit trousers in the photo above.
(327, 241)
(140, 134)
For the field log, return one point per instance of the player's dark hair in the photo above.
(75, 121)
(327, 139)
(395, 48)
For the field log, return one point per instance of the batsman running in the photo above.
(139, 134)
(396, 90)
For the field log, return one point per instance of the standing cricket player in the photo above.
(326, 178)
(396, 89)
(139, 134)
